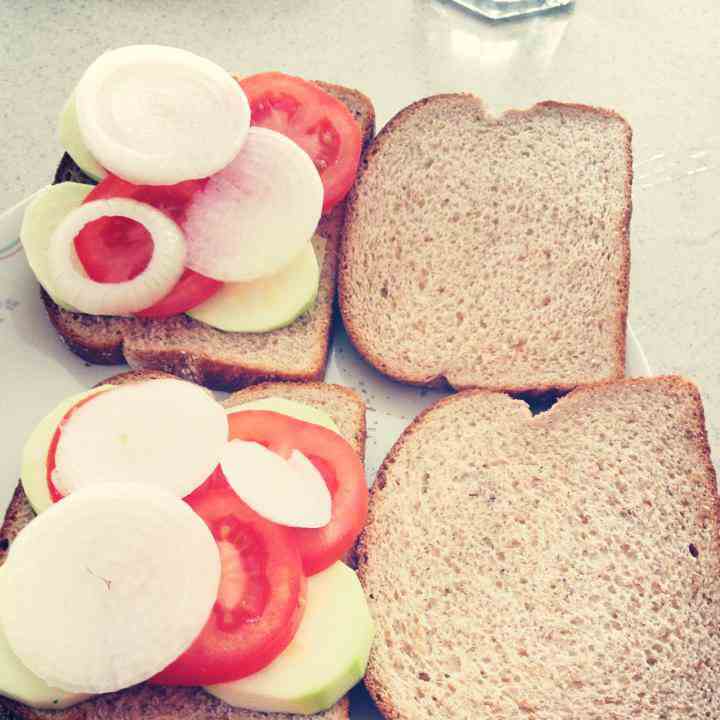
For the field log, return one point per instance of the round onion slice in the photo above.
(258, 213)
(154, 282)
(157, 115)
(289, 492)
(108, 587)
(166, 433)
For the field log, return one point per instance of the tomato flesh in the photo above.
(340, 467)
(117, 249)
(318, 122)
(261, 597)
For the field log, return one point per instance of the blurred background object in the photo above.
(499, 9)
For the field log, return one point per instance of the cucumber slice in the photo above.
(72, 140)
(42, 218)
(327, 656)
(297, 410)
(19, 684)
(268, 303)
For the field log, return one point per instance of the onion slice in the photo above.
(153, 283)
(167, 433)
(108, 586)
(157, 115)
(258, 213)
(289, 492)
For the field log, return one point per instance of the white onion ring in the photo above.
(153, 283)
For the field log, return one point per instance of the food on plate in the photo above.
(258, 213)
(561, 565)
(41, 219)
(158, 115)
(209, 255)
(103, 568)
(328, 653)
(491, 252)
(315, 120)
(267, 303)
(254, 624)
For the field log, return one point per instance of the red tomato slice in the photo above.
(261, 598)
(318, 122)
(116, 249)
(339, 465)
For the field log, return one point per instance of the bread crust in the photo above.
(439, 380)
(145, 702)
(108, 340)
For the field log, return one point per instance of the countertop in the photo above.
(656, 63)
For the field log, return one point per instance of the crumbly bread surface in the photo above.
(564, 565)
(491, 252)
(147, 702)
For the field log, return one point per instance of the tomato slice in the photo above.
(117, 249)
(318, 122)
(339, 465)
(261, 598)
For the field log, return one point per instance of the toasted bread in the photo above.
(200, 353)
(147, 702)
(563, 565)
(491, 252)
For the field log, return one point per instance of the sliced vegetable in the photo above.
(113, 250)
(33, 474)
(19, 684)
(261, 598)
(108, 586)
(72, 140)
(289, 492)
(257, 214)
(326, 658)
(40, 221)
(166, 433)
(292, 408)
(318, 122)
(265, 304)
(339, 465)
(116, 298)
(157, 115)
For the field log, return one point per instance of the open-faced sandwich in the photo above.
(165, 556)
(208, 247)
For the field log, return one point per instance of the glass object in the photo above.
(498, 9)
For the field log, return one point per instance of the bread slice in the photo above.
(491, 252)
(147, 702)
(200, 353)
(563, 565)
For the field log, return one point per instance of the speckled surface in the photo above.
(654, 62)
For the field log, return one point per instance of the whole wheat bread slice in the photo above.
(200, 353)
(147, 702)
(491, 252)
(565, 565)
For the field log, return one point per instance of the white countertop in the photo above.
(655, 62)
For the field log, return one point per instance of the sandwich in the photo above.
(252, 276)
(264, 582)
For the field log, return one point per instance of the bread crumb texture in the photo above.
(491, 252)
(558, 566)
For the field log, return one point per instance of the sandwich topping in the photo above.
(212, 190)
(180, 544)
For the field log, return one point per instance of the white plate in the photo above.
(37, 372)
